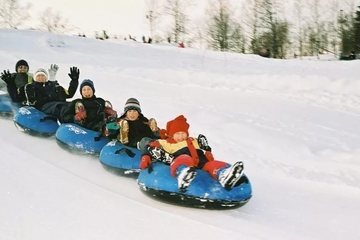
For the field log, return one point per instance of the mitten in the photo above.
(203, 143)
(80, 116)
(52, 72)
(111, 113)
(209, 156)
(145, 162)
(74, 73)
(163, 134)
(6, 76)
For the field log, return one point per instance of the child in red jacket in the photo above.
(185, 154)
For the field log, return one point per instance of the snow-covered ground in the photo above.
(294, 123)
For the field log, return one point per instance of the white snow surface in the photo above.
(294, 123)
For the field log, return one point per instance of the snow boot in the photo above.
(186, 176)
(108, 104)
(160, 155)
(229, 177)
(153, 125)
(124, 132)
(30, 95)
(79, 107)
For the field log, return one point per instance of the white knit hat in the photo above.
(41, 71)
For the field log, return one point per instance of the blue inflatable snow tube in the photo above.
(203, 192)
(76, 137)
(31, 120)
(7, 107)
(120, 158)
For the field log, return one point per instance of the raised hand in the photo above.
(203, 143)
(52, 71)
(6, 76)
(74, 73)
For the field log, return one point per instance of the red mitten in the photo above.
(154, 144)
(209, 156)
(163, 134)
(110, 112)
(80, 116)
(145, 162)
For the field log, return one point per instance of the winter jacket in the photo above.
(138, 129)
(21, 79)
(185, 147)
(52, 91)
(16, 88)
(95, 112)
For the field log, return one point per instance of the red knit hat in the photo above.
(179, 124)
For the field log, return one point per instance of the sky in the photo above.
(117, 17)
(294, 124)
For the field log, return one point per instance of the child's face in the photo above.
(22, 69)
(87, 92)
(132, 115)
(40, 78)
(180, 136)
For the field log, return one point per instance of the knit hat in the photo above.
(179, 124)
(41, 71)
(21, 62)
(132, 104)
(87, 82)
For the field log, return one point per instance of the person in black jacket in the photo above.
(135, 129)
(49, 96)
(90, 111)
(15, 82)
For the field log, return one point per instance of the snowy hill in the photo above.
(294, 123)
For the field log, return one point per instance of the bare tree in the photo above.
(251, 19)
(275, 29)
(152, 16)
(219, 26)
(13, 14)
(333, 26)
(224, 34)
(176, 9)
(299, 24)
(52, 21)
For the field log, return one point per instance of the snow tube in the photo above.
(7, 107)
(74, 136)
(120, 159)
(35, 122)
(203, 192)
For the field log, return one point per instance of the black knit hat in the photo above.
(87, 82)
(132, 104)
(21, 62)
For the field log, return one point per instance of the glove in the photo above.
(80, 116)
(74, 73)
(6, 76)
(209, 156)
(203, 143)
(145, 162)
(52, 71)
(111, 113)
